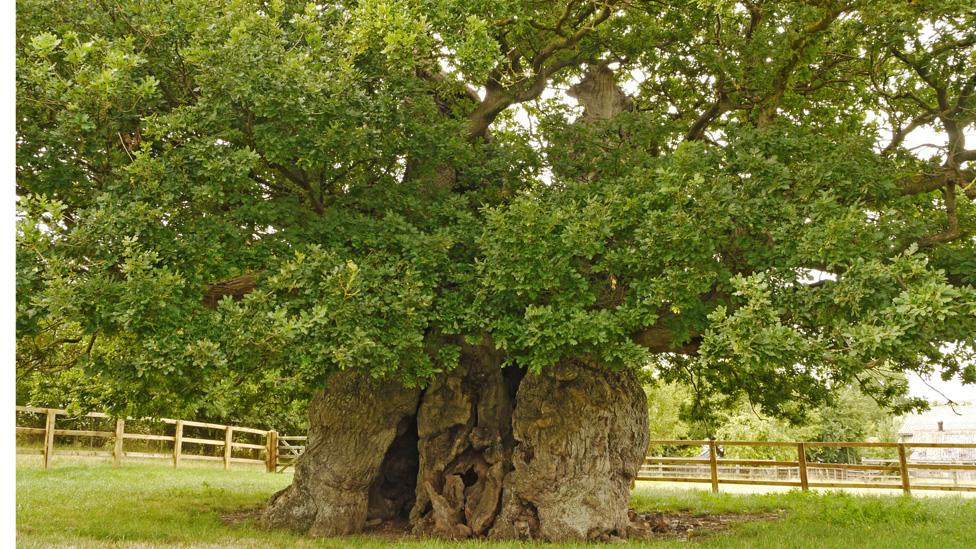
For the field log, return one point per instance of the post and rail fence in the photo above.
(877, 473)
(278, 452)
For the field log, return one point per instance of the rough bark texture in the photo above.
(489, 452)
(236, 287)
(599, 94)
(465, 445)
(353, 424)
(581, 435)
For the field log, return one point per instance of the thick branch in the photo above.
(545, 63)
(236, 288)
(442, 78)
(952, 231)
(659, 339)
(928, 182)
(599, 94)
(298, 178)
(697, 130)
(496, 100)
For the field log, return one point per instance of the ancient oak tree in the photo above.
(462, 228)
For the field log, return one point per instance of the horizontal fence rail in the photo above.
(272, 456)
(896, 473)
(279, 452)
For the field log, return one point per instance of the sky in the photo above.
(930, 388)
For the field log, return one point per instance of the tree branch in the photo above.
(799, 44)
(928, 182)
(900, 134)
(952, 231)
(545, 63)
(697, 130)
(658, 339)
(299, 179)
(236, 287)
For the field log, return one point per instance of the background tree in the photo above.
(219, 201)
(849, 416)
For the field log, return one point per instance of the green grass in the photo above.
(89, 504)
(829, 519)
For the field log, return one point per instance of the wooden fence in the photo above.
(706, 469)
(280, 452)
(277, 453)
(289, 450)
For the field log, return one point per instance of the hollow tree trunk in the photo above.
(465, 447)
(489, 452)
(354, 423)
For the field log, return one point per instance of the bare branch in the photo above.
(900, 134)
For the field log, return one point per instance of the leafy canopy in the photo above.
(220, 203)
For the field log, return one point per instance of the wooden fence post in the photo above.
(271, 455)
(801, 455)
(178, 443)
(228, 446)
(49, 437)
(713, 461)
(119, 437)
(906, 484)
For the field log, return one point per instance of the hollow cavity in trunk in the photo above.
(484, 451)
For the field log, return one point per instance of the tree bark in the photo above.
(600, 95)
(465, 446)
(484, 451)
(489, 452)
(581, 436)
(353, 424)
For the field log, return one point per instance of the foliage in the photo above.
(851, 416)
(665, 402)
(749, 219)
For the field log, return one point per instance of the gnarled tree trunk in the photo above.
(354, 423)
(581, 436)
(465, 446)
(488, 452)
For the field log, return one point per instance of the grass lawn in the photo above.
(90, 504)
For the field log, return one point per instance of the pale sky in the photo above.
(954, 389)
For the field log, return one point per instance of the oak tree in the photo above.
(460, 227)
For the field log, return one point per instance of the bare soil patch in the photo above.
(241, 517)
(685, 525)
(678, 525)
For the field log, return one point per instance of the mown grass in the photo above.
(86, 504)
